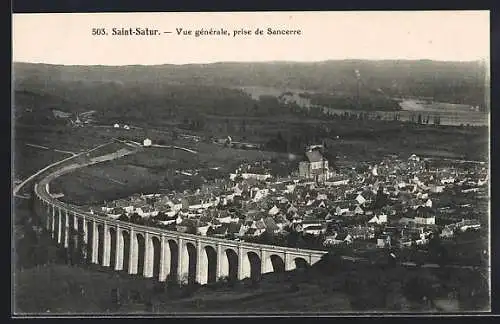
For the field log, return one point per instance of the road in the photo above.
(18, 187)
(48, 148)
(133, 144)
(175, 147)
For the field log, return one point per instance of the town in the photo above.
(399, 202)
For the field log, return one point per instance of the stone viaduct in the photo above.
(156, 252)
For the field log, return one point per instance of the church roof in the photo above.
(314, 156)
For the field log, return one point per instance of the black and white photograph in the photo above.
(287, 163)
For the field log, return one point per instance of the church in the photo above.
(315, 167)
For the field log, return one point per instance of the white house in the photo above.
(337, 182)
(321, 197)
(146, 212)
(466, 224)
(114, 216)
(147, 142)
(202, 230)
(126, 127)
(378, 219)
(358, 210)
(129, 209)
(116, 126)
(260, 193)
(260, 177)
(360, 199)
(314, 230)
(167, 222)
(341, 211)
(436, 189)
(175, 205)
(290, 188)
(201, 205)
(273, 211)
(447, 180)
(337, 239)
(426, 220)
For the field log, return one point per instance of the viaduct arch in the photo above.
(158, 253)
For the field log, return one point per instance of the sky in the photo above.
(67, 38)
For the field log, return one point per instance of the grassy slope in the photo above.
(336, 288)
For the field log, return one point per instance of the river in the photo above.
(449, 114)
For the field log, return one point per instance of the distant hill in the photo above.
(458, 82)
(167, 91)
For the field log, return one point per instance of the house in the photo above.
(184, 226)
(260, 177)
(447, 232)
(252, 232)
(338, 238)
(107, 209)
(422, 241)
(234, 229)
(175, 204)
(425, 216)
(315, 167)
(114, 216)
(221, 231)
(406, 221)
(314, 230)
(383, 241)
(273, 211)
(245, 226)
(271, 225)
(436, 188)
(147, 142)
(321, 197)
(378, 219)
(467, 224)
(258, 194)
(414, 158)
(292, 210)
(290, 188)
(405, 242)
(341, 211)
(281, 221)
(425, 220)
(116, 126)
(448, 180)
(361, 232)
(358, 210)
(202, 230)
(146, 211)
(259, 226)
(167, 222)
(196, 202)
(360, 199)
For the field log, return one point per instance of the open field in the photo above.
(149, 170)
(327, 287)
(28, 160)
